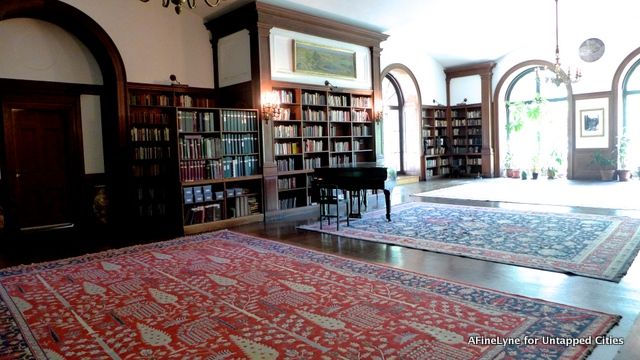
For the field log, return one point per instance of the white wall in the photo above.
(37, 50)
(429, 74)
(154, 42)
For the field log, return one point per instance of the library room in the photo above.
(294, 179)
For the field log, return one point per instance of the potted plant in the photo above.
(624, 174)
(535, 167)
(607, 164)
(554, 164)
(508, 158)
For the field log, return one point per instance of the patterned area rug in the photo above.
(596, 246)
(226, 295)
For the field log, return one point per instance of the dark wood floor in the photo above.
(621, 298)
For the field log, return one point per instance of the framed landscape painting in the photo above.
(323, 60)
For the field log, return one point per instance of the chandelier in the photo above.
(560, 76)
(190, 3)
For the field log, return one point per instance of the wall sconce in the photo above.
(270, 106)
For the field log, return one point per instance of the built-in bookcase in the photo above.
(316, 128)
(466, 139)
(435, 142)
(452, 140)
(194, 167)
(219, 165)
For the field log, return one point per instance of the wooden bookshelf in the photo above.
(435, 141)
(318, 127)
(452, 141)
(466, 139)
(220, 167)
(194, 167)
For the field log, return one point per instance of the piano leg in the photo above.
(387, 201)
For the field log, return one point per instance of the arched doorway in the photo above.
(112, 105)
(401, 120)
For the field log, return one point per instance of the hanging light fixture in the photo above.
(190, 3)
(562, 77)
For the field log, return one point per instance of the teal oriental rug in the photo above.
(596, 246)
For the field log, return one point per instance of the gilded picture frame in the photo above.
(323, 60)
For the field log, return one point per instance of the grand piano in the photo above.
(354, 178)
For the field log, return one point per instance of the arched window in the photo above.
(630, 126)
(535, 128)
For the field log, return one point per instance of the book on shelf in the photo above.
(188, 195)
(198, 196)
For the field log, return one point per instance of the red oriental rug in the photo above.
(225, 295)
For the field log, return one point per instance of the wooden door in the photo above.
(41, 169)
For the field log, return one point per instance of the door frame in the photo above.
(75, 151)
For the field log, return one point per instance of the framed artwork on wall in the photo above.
(323, 60)
(592, 121)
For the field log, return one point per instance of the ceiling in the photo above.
(457, 32)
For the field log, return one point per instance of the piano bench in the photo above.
(329, 196)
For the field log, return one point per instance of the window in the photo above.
(631, 115)
(536, 123)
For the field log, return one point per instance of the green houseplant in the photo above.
(624, 174)
(606, 162)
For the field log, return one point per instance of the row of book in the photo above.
(151, 152)
(312, 163)
(200, 194)
(288, 164)
(361, 101)
(314, 115)
(360, 116)
(203, 214)
(285, 96)
(313, 131)
(313, 99)
(437, 123)
(361, 130)
(149, 117)
(149, 134)
(285, 131)
(338, 100)
(148, 169)
(464, 150)
(227, 167)
(196, 121)
(339, 115)
(286, 183)
(198, 147)
(240, 143)
(360, 145)
(340, 160)
(239, 120)
(340, 146)
(468, 141)
(201, 170)
(287, 203)
(286, 148)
